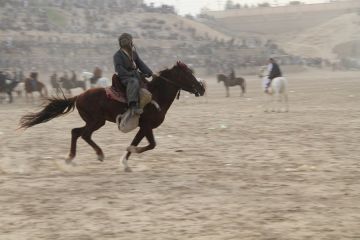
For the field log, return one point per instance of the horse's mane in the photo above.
(165, 72)
(179, 65)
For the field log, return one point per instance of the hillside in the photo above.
(52, 37)
(329, 30)
(323, 39)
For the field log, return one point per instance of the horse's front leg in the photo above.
(268, 102)
(10, 97)
(150, 137)
(137, 139)
(148, 133)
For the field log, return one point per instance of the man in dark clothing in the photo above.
(232, 74)
(274, 72)
(127, 63)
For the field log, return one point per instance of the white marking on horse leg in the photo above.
(132, 149)
(124, 161)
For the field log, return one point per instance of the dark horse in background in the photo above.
(71, 83)
(231, 82)
(7, 86)
(32, 84)
(95, 108)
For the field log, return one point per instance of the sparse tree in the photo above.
(295, 3)
(265, 4)
(229, 5)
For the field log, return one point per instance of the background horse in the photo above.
(228, 82)
(278, 92)
(101, 82)
(7, 86)
(68, 84)
(95, 108)
(39, 87)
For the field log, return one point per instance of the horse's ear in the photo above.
(181, 64)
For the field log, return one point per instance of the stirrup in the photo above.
(137, 111)
(128, 121)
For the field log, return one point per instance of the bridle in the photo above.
(179, 86)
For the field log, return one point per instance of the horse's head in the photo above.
(186, 79)
(221, 78)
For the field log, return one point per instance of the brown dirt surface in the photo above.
(222, 169)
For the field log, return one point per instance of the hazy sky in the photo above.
(194, 6)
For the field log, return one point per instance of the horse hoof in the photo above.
(127, 169)
(69, 159)
(132, 149)
(101, 157)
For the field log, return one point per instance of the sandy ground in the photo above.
(222, 169)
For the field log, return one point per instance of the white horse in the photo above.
(20, 89)
(101, 82)
(277, 92)
(85, 76)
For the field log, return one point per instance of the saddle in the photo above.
(117, 91)
(126, 122)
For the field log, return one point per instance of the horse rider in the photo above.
(34, 80)
(274, 72)
(232, 74)
(127, 65)
(97, 73)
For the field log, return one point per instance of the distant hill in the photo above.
(312, 30)
(80, 35)
(329, 40)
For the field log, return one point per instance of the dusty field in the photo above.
(223, 169)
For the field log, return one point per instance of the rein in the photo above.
(173, 83)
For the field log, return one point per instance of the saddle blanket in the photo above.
(115, 95)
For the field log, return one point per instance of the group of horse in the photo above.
(30, 85)
(10, 84)
(87, 80)
(277, 94)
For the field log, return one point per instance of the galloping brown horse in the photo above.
(95, 108)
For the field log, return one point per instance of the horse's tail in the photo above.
(55, 108)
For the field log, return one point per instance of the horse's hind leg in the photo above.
(242, 91)
(286, 99)
(278, 102)
(86, 135)
(75, 134)
(243, 88)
